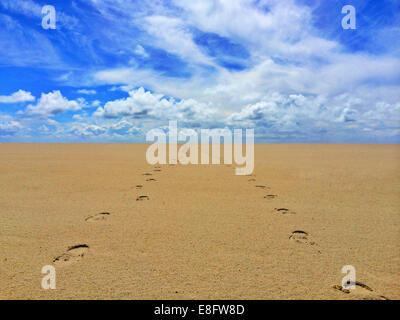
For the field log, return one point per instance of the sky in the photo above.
(112, 70)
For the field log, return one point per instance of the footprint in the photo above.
(147, 174)
(261, 187)
(361, 291)
(252, 179)
(98, 217)
(73, 254)
(283, 211)
(157, 170)
(151, 179)
(300, 236)
(271, 196)
(139, 186)
(141, 198)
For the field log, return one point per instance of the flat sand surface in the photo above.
(202, 232)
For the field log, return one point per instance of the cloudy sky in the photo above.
(113, 69)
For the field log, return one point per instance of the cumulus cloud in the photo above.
(19, 96)
(311, 115)
(122, 128)
(144, 104)
(87, 130)
(9, 126)
(53, 103)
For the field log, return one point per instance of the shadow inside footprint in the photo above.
(301, 236)
(261, 187)
(139, 186)
(283, 211)
(73, 254)
(151, 179)
(252, 179)
(98, 217)
(147, 174)
(361, 291)
(141, 198)
(157, 170)
(270, 196)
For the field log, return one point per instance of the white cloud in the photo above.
(86, 130)
(140, 51)
(287, 53)
(9, 126)
(173, 35)
(86, 91)
(95, 103)
(19, 96)
(24, 46)
(144, 104)
(53, 103)
(29, 8)
(77, 117)
(310, 115)
(122, 128)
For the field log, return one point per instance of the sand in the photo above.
(199, 232)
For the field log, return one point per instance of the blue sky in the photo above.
(112, 70)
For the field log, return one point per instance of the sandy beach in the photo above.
(116, 227)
